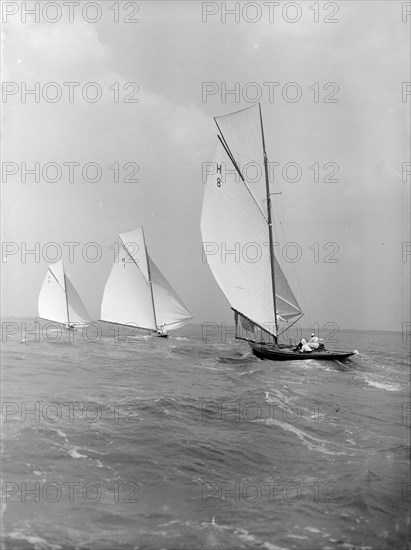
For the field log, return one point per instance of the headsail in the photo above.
(170, 310)
(58, 300)
(136, 292)
(78, 314)
(235, 230)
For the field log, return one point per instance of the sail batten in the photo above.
(234, 222)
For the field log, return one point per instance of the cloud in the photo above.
(169, 133)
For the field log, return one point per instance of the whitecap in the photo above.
(311, 442)
(383, 386)
(38, 542)
(75, 454)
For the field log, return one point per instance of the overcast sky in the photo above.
(358, 124)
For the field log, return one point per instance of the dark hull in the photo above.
(284, 354)
(162, 335)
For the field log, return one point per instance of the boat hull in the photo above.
(274, 353)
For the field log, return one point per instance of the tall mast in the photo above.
(65, 292)
(270, 223)
(149, 280)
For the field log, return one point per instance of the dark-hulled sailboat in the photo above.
(236, 228)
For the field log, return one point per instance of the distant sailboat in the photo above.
(137, 294)
(236, 229)
(59, 301)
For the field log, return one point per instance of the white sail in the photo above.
(52, 302)
(78, 314)
(135, 244)
(170, 310)
(58, 300)
(235, 231)
(127, 296)
(242, 134)
(136, 292)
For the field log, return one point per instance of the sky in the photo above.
(336, 98)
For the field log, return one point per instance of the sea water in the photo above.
(115, 440)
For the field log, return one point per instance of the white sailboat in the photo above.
(236, 228)
(59, 301)
(137, 294)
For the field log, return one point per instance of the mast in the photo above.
(270, 223)
(65, 293)
(149, 280)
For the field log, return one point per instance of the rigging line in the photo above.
(66, 295)
(236, 112)
(285, 266)
(149, 278)
(148, 268)
(245, 339)
(269, 221)
(290, 325)
(288, 302)
(57, 281)
(282, 234)
(231, 157)
(124, 246)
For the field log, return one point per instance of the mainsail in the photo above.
(59, 301)
(235, 230)
(137, 293)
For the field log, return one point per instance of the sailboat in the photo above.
(137, 294)
(59, 301)
(237, 235)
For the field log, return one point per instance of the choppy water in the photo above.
(185, 444)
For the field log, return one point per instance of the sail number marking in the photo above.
(218, 177)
